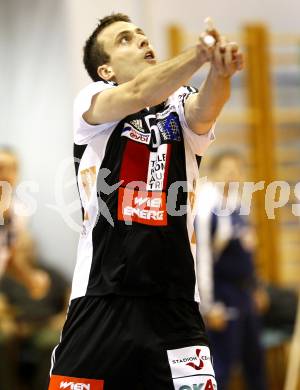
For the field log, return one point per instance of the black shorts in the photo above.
(132, 343)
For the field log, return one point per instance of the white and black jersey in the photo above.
(137, 180)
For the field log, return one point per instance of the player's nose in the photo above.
(143, 42)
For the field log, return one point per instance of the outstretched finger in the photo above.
(211, 29)
(218, 58)
(230, 53)
(234, 47)
(239, 61)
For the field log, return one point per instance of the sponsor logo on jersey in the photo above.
(88, 179)
(196, 362)
(169, 128)
(162, 127)
(138, 124)
(200, 363)
(156, 169)
(191, 368)
(74, 386)
(144, 207)
(58, 382)
(136, 135)
(210, 384)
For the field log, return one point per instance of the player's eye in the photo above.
(125, 39)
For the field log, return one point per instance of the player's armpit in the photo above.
(196, 115)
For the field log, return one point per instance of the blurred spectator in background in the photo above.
(8, 346)
(13, 227)
(20, 279)
(36, 323)
(231, 299)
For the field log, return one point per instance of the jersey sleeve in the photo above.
(83, 131)
(204, 253)
(198, 142)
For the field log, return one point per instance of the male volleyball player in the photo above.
(139, 136)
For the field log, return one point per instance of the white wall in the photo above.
(228, 15)
(36, 110)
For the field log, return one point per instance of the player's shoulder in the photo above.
(182, 92)
(93, 88)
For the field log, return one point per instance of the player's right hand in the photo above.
(208, 41)
(205, 51)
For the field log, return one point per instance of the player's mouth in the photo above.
(150, 57)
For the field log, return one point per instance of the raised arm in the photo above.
(202, 109)
(150, 87)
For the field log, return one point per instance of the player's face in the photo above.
(129, 51)
(229, 169)
(8, 168)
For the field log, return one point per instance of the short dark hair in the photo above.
(94, 54)
(219, 157)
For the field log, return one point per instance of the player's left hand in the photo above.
(227, 59)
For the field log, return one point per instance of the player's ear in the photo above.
(105, 72)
